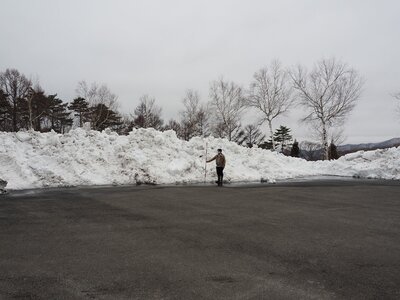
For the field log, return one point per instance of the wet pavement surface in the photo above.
(319, 239)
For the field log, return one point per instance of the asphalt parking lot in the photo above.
(301, 240)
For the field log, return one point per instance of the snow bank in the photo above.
(377, 164)
(80, 157)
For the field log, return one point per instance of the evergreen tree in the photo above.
(126, 125)
(5, 113)
(333, 154)
(282, 136)
(81, 108)
(40, 105)
(23, 113)
(267, 145)
(103, 117)
(295, 152)
(58, 114)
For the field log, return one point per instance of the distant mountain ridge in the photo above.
(349, 148)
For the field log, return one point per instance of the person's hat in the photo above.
(219, 150)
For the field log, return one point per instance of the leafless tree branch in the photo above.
(98, 96)
(328, 93)
(227, 104)
(270, 93)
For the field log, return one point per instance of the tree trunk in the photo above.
(271, 134)
(14, 113)
(80, 119)
(30, 114)
(325, 142)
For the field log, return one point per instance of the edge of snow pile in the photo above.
(33, 160)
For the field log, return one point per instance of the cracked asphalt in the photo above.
(324, 239)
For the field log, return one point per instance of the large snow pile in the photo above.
(32, 159)
(376, 164)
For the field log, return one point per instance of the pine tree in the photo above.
(282, 136)
(58, 114)
(5, 113)
(126, 125)
(81, 108)
(40, 105)
(103, 117)
(267, 145)
(333, 154)
(295, 152)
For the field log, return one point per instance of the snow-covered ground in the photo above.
(32, 159)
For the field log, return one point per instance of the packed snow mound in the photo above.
(81, 157)
(376, 164)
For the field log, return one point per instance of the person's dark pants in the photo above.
(220, 173)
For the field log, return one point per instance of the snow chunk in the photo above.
(23, 136)
(177, 166)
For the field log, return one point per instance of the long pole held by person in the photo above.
(205, 166)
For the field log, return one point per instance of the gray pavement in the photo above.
(335, 239)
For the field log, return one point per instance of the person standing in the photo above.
(220, 162)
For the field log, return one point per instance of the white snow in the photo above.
(83, 157)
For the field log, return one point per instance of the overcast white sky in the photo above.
(162, 48)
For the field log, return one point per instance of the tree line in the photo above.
(327, 94)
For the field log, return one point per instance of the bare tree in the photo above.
(270, 93)
(97, 94)
(16, 88)
(253, 135)
(310, 150)
(397, 96)
(194, 117)
(227, 103)
(147, 114)
(203, 120)
(100, 99)
(335, 134)
(175, 126)
(329, 93)
(191, 103)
